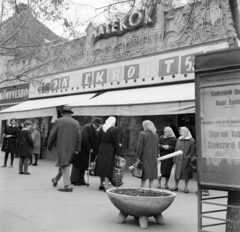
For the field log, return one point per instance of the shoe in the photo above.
(11, 166)
(76, 183)
(27, 173)
(186, 191)
(101, 187)
(174, 189)
(34, 165)
(66, 189)
(54, 182)
(105, 189)
(4, 166)
(21, 173)
(166, 187)
(84, 183)
(30, 164)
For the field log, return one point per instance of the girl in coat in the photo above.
(167, 143)
(147, 152)
(108, 146)
(10, 136)
(36, 136)
(25, 147)
(183, 172)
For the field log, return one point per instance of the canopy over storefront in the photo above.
(160, 100)
(42, 107)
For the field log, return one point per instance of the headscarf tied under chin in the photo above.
(109, 123)
(186, 134)
(169, 132)
(148, 125)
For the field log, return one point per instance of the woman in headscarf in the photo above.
(167, 143)
(36, 136)
(108, 146)
(183, 172)
(147, 152)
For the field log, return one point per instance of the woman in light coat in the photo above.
(183, 172)
(147, 152)
(36, 136)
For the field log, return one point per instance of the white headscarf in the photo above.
(109, 123)
(169, 133)
(186, 134)
(148, 125)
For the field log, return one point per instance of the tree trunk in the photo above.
(228, 23)
(233, 213)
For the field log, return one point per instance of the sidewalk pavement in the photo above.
(29, 203)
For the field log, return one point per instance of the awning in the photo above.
(42, 107)
(160, 100)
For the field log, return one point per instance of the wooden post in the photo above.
(233, 213)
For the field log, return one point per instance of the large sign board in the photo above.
(163, 68)
(219, 119)
(14, 94)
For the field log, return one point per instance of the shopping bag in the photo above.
(117, 179)
(173, 171)
(120, 162)
(159, 169)
(138, 169)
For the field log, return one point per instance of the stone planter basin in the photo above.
(141, 207)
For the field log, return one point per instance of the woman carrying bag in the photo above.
(147, 152)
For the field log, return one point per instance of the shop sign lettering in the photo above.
(133, 21)
(54, 84)
(149, 70)
(14, 94)
(168, 66)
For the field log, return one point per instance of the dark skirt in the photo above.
(105, 160)
(166, 167)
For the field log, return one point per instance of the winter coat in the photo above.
(25, 143)
(36, 136)
(147, 152)
(183, 170)
(89, 140)
(10, 144)
(67, 135)
(166, 165)
(108, 147)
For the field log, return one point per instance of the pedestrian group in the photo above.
(99, 144)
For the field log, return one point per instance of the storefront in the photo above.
(145, 73)
(10, 96)
(159, 88)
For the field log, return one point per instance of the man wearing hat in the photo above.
(88, 146)
(66, 132)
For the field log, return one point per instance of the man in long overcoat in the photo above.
(66, 132)
(88, 145)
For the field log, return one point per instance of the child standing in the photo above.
(25, 147)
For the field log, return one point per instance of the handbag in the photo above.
(120, 162)
(92, 164)
(138, 169)
(117, 177)
(193, 164)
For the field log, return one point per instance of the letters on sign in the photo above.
(158, 67)
(132, 21)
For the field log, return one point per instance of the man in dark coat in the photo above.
(66, 132)
(10, 136)
(88, 145)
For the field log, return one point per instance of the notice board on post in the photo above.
(217, 84)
